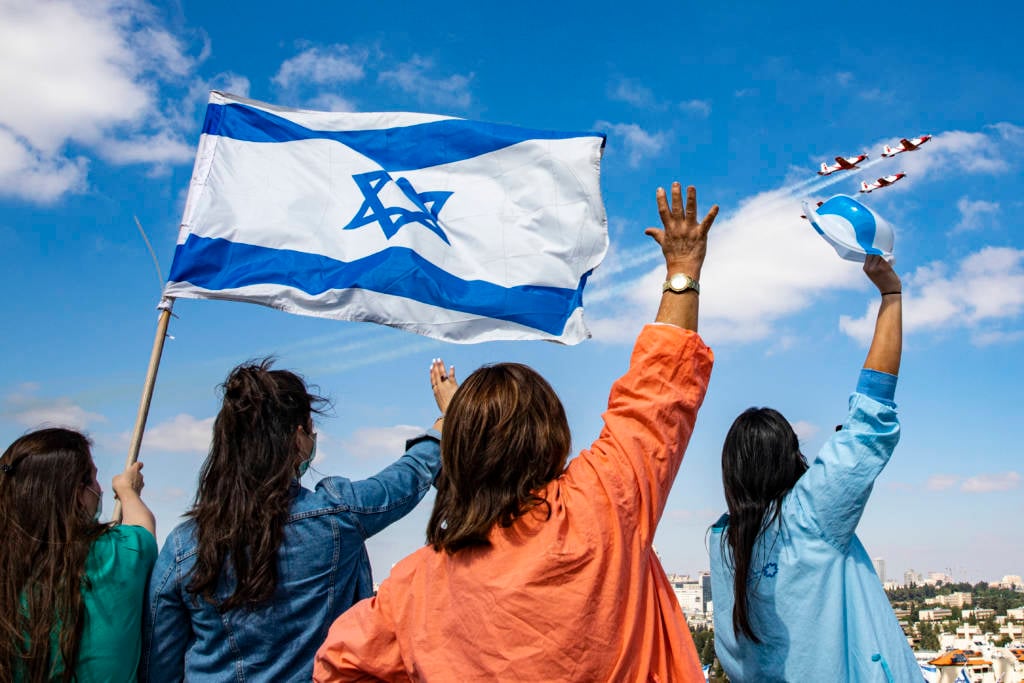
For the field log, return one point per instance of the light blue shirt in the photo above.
(813, 596)
(322, 570)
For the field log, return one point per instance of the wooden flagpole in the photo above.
(166, 304)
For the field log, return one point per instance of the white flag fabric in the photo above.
(455, 229)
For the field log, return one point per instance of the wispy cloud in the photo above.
(416, 77)
(319, 66)
(696, 107)
(805, 431)
(28, 409)
(941, 482)
(379, 442)
(990, 483)
(638, 144)
(633, 93)
(183, 433)
(974, 214)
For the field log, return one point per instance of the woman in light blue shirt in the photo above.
(247, 587)
(796, 597)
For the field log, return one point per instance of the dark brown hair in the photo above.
(505, 439)
(243, 497)
(761, 463)
(47, 533)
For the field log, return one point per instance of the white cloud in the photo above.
(26, 408)
(331, 65)
(805, 431)
(638, 144)
(844, 78)
(27, 173)
(696, 107)
(941, 482)
(414, 78)
(631, 92)
(974, 214)
(88, 73)
(163, 147)
(181, 434)
(379, 442)
(988, 483)
(332, 102)
(986, 289)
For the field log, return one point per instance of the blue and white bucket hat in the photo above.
(852, 229)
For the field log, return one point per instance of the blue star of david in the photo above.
(392, 218)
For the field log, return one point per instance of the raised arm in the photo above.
(835, 489)
(653, 407)
(887, 344)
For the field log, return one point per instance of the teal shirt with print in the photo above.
(114, 591)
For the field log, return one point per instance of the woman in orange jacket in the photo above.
(536, 571)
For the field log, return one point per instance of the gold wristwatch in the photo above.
(680, 282)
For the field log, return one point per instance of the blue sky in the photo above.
(102, 109)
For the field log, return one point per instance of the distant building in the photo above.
(980, 614)
(958, 599)
(879, 564)
(1015, 614)
(935, 614)
(935, 578)
(1010, 582)
(910, 578)
(705, 582)
(690, 595)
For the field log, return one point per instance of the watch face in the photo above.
(678, 282)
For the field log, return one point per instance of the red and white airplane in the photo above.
(884, 181)
(905, 146)
(842, 164)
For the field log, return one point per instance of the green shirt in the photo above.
(114, 593)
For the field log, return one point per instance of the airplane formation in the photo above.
(850, 163)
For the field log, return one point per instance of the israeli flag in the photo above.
(458, 230)
(931, 673)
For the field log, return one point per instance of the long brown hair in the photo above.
(761, 463)
(505, 439)
(243, 497)
(47, 533)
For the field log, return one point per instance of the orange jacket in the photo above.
(577, 597)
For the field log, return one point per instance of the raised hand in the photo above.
(880, 272)
(129, 480)
(443, 383)
(683, 241)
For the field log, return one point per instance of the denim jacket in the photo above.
(323, 569)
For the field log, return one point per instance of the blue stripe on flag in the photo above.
(216, 264)
(395, 149)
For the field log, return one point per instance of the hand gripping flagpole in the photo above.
(165, 306)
